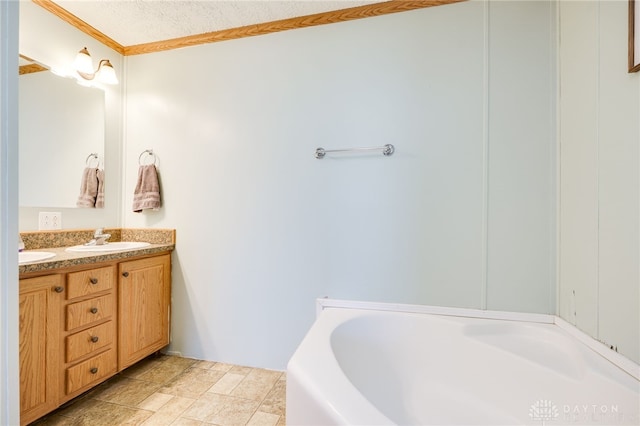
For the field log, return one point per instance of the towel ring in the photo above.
(93, 155)
(150, 153)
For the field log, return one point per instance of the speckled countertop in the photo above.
(162, 240)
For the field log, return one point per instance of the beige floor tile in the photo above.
(221, 366)
(128, 392)
(274, 402)
(159, 419)
(165, 371)
(155, 401)
(161, 374)
(193, 393)
(76, 407)
(107, 386)
(257, 384)
(192, 383)
(202, 407)
(138, 417)
(141, 367)
(205, 365)
(54, 420)
(170, 411)
(176, 406)
(187, 389)
(108, 414)
(227, 383)
(200, 375)
(181, 421)
(221, 409)
(179, 361)
(263, 419)
(238, 369)
(231, 411)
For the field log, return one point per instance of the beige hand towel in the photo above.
(100, 196)
(88, 188)
(147, 192)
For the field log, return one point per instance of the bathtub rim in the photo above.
(617, 359)
(310, 374)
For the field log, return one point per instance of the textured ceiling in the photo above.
(132, 22)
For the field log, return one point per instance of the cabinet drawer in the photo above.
(89, 311)
(90, 340)
(91, 370)
(91, 281)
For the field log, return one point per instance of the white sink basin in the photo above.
(34, 256)
(114, 246)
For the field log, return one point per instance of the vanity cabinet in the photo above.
(40, 304)
(83, 325)
(145, 298)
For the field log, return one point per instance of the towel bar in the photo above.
(387, 150)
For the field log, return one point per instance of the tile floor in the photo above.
(169, 390)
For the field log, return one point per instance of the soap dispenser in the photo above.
(20, 243)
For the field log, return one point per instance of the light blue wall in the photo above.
(461, 215)
(599, 229)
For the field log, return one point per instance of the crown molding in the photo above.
(80, 24)
(359, 12)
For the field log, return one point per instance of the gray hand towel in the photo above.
(100, 196)
(147, 192)
(88, 188)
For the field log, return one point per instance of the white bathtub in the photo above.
(370, 367)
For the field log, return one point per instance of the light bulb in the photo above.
(106, 74)
(83, 62)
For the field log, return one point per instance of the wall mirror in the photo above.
(61, 124)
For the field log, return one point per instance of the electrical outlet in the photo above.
(48, 221)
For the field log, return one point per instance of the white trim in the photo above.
(600, 348)
(615, 358)
(322, 304)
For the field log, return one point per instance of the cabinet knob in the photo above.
(58, 289)
(95, 339)
(125, 274)
(93, 370)
(93, 310)
(93, 280)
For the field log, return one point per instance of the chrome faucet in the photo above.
(99, 238)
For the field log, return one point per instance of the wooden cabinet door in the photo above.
(144, 295)
(40, 358)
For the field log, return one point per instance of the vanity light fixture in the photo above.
(84, 67)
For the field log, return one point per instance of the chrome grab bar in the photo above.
(387, 150)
